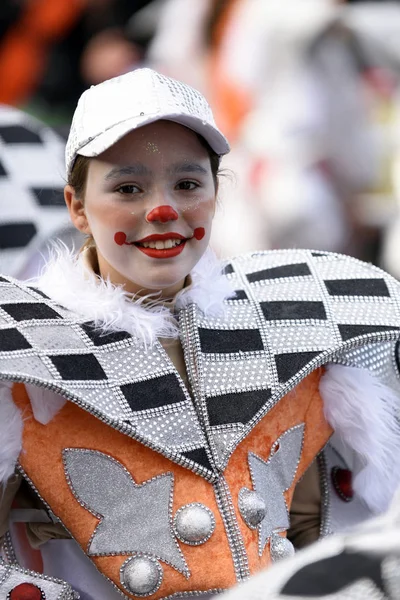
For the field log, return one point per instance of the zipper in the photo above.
(192, 353)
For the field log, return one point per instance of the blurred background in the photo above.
(307, 91)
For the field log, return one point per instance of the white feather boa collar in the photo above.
(68, 280)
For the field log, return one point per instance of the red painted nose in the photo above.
(162, 214)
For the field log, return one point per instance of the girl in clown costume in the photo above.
(171, 424)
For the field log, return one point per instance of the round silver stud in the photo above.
(141, 575)
(280, 547)
(194, 524)
(252, 507)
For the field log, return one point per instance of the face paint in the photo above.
(120, 238)
(162, 214)
(142, 206)
(199, 233)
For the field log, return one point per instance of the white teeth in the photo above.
(161, 244)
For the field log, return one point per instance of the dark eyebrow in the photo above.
(135, 169)
(187, 167)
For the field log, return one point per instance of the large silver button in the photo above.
(281, 547)
(194, 524)
(141, 575)
(252, 507)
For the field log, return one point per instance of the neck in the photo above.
(106, 271)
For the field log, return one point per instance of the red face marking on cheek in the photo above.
(120, 238)
(199, 233)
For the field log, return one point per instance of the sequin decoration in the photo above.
(280, 547)
(141, 575)
(252, 507)
(194, 524)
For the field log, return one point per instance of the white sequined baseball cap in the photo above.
(108, 111)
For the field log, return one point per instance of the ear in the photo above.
(76, 209)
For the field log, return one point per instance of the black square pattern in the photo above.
(236, 407)
(290, 363)
(295, 270)
(49, 196)
(357, 287)
(24, 311)
(226, 340)
(11, 339)
(17, 134)
(293, 310)
(16, 235)
(82, 367)
(153, 393)
(100, 338)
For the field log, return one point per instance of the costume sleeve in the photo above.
(305, 511)
(14, 578)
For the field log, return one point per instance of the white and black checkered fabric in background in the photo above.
(32, 208)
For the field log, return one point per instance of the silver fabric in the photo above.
(54, 589)
(133, 518)
(304, 337)
(194, 523)
(252, 507)
(272, 478)
(107, 400)
(305, 288)
(234, 314)
(27, 366)
(141, 575)
(177, 429)
(280, 548)
(54, 337)
(379, 359)
(244, 373)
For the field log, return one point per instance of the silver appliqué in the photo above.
(272, 478)
(133, 518)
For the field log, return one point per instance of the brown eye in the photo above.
(187, 185)
(129, 188)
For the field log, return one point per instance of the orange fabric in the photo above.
(210, 564)
(301, 405)
(23, 48)
(42, 461)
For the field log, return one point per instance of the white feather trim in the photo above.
(11, 427)
(45, 403)
(68, 281)
(364, 413)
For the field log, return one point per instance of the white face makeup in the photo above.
(149, 203)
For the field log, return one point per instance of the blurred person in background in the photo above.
(50, 51)
(300, 92)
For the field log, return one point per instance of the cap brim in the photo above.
(108, 138)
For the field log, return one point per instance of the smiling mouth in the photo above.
(165, 245)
